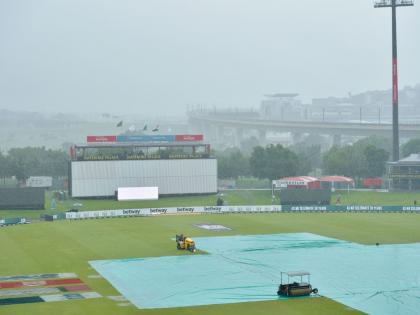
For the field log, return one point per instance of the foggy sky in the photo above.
(158, 56)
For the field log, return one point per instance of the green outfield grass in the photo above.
(231, 197)
(67, 246)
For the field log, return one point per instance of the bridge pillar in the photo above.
(336, 140)
(211, 132)
(239, 136)
(297, 137)
(261, 136)
(219, 132)
(206, 130)
(194, 126)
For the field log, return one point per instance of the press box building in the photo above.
(176, 164)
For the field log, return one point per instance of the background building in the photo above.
(282, 106)
(405, 174)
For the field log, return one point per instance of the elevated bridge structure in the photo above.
(214, 127)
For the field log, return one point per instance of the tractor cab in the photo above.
(295, 283)
(184, 242)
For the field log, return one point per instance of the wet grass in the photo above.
(67, 246)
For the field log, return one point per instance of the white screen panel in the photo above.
(138, 193)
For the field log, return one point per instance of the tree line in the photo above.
(25, 162)
(365, 158)
(272, 162)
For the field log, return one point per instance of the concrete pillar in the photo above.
(336, 141)
(262, 136)
(194, 126)
(207, 132)
(297, 137)
(214, 134)
(220, 133)
(239, 135)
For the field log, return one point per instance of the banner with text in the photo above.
(235, 209)
(170, 210)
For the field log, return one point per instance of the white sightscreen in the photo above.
(102, 178)
(138, 193)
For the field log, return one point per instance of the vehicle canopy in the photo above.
(293, 274)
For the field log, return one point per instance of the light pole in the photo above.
(393, 4)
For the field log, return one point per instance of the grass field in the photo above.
(67, 246)
(238, 197)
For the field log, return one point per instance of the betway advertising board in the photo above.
(101, 138)
(235, 209)
(170, 210)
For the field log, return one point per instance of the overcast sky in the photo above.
(158, 56)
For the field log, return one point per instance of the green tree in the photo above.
(20, 163)
(249, 144)
(375, 161)
(29, 161)
(309, 157)
(232, 163)
(5, 167)
(335, 162)
(379, 142)
(346, 161)
(273, 162)
(410, 147)
(357, 161)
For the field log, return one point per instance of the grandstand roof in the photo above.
(305, 179)
(412, 158)
(337, 179)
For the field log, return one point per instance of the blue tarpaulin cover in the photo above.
(381, 279)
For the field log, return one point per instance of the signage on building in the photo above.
(101, 138)
(186, 138)
(145, 138)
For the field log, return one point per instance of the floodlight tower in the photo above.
(395, 129)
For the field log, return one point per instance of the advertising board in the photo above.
(39, 181)
(146, 138)
(237, 209)
(101, 138)
(186, 138)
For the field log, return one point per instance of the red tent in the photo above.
(338, 181)
(306, 182)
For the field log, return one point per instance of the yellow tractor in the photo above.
(183, 242)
